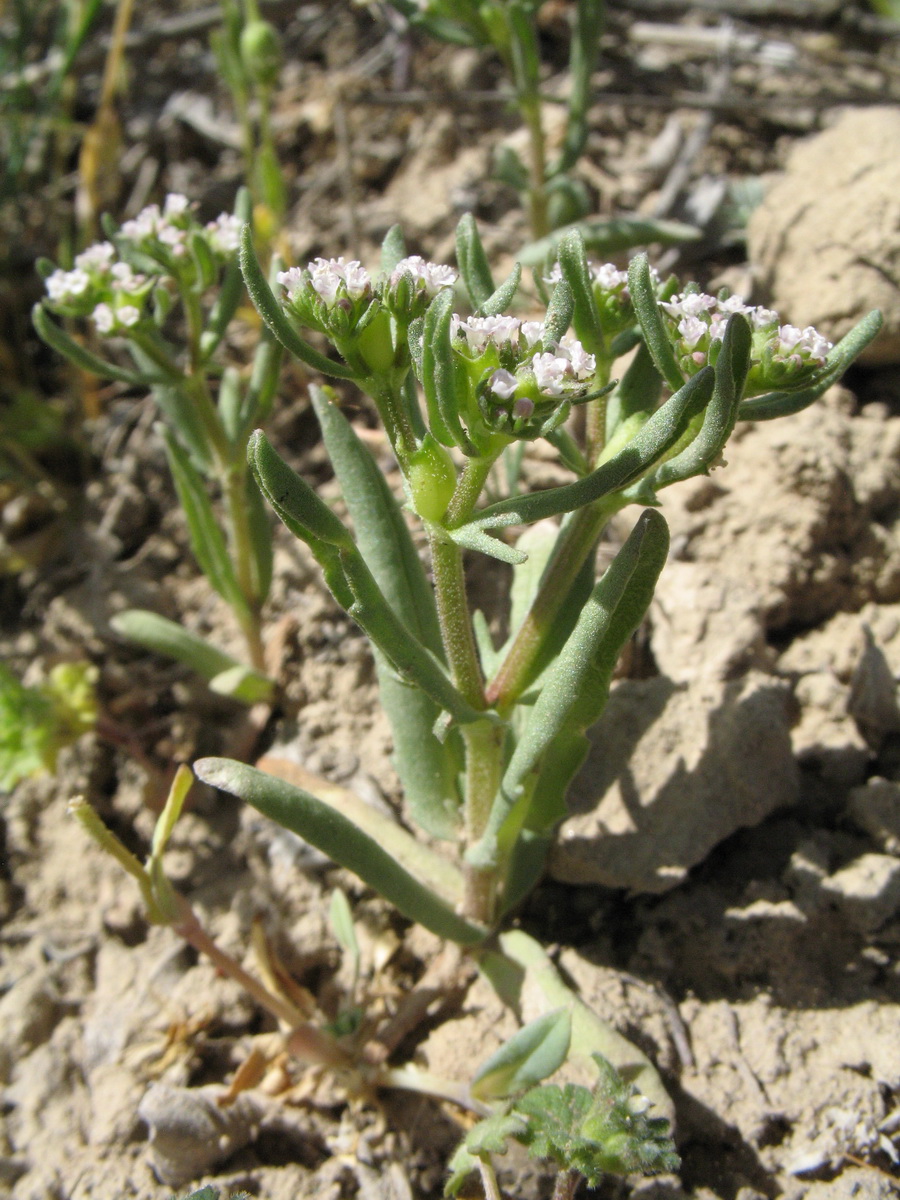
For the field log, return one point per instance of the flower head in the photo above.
(428, 277)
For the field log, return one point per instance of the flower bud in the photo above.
(261, 52)
(432, 479)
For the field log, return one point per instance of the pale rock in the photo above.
(875, 808)
(867, 890)
(190, 1131)
(827, 255)
(674, 769)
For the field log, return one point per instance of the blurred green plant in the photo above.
(128, 287)
(36, 723)
(249, 55)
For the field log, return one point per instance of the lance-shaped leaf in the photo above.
(649, 444)
(393, 249)
(161, 636)
(273, 314)
(207, 539)
(782, 404)
(259, 520)
(605, 238)
(573, 264)
(528, 1057)
(525, 968)
(439, 373)
(341, 839)
(720, 415)
(646, 307)
(230, 290)
(638, 393)
(473, 263)
(559, 312)
(57, 339)
(502, 298)
(350, 580)
(576, 686)
(427, 768)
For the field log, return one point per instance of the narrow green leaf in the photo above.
(590, 1035)
(243, 684)
(782, 404)
(57, 339)
(638, 392)
(605, 238)
(393, 249)
(338, 837)
(573, 264)
(528, 1057)
(473, 263)
(275, 317)
(658, 435)
(559, 312)
(428, 770)
(162, 636)
(646, 307)
(576, 686)
(230, 290)
(439, 373)
(720, 415)
(341, 919)
(501, 299)
(583, 52)
(207, 539)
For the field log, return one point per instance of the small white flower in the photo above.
(98, 257)
(523, 408)
(532, 332)
(104, 318)
(550, 372)
(478, 331)
(175, 205)
(761, 317)
(583, 364)
(503, 384)
(144, 225)
(431, 277)
(607, 276)
(292, 280)
(63, 286)
(174, 238)
(128, 315)
(224, 233)
(689, 304)
(692, 330)
(329, 274)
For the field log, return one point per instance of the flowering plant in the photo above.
(128, 287)
(488, 737)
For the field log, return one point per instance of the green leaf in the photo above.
(782, 404)
(602, 239)
(559, 312)
(573, 264)
(473, 263)
(57, 339)
(439, 374)
(720, 415)
(393, 249)
(529, 1056)
(260, 522)
(230, 290)
(583, 52)
(638, 393)
(658, 435)
(33, 729)
(646, 307)
(596, 1132)
(350, 580)
(528, 966)
(207, 539)
(428, 770)
(576, 686)
(341, 919)
(344, 841)
(162, 636)
(500, 300)
(275, 317)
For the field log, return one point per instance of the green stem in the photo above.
(234, 489)
(577, 541)
(385, 392)
(537, 167)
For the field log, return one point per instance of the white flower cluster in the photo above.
(97, 273)
(167, 225)
(428, 277)
(605, 276)
(554, 370)
(700, 319)
(224, 234)
(331, 279)
(480, 332)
